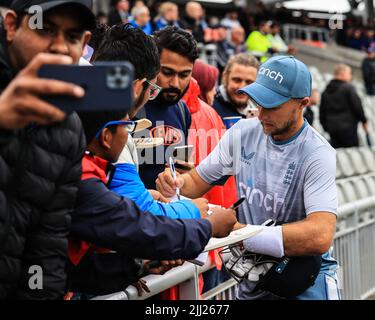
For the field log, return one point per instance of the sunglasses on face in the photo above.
(154, 90)
(130, 126)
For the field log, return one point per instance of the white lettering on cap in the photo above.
(271, 74)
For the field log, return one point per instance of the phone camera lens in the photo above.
(123, 72)
(113, 72)
(119, 82)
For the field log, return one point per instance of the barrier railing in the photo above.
(208, 53)
(186, 276)
(296, 31)
(354, 248)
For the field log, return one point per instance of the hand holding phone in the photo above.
(21, 103)
(107, 85)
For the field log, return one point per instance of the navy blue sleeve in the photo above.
(108, 220)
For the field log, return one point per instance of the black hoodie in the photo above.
(340, 107)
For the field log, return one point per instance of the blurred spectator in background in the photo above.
(119, 13)
(259, 44)
(368, 39)
(194, 20)
(240, 71)
(102, 17)
(357, 41)
(141, 19)
(341, 109)
(277, 41)
(215, 32)
(349, 32)
(234, 45)
(206, 77)
(314, 101)
(168, 16)
(231, 20)
(139, 4)
(368, 71)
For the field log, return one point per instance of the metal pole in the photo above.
(189, 290)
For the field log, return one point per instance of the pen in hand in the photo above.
(173, 170)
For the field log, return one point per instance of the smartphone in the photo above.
(108, 86)
(183, 153)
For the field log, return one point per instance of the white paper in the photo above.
(234, 237)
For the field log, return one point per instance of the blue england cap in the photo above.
(279, 79)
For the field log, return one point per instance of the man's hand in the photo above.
(20, 103)
(165, 265)
(158, 196)
(141, 286)
(202, 205)
(222, 222)
(166, 184)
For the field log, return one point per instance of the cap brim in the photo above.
(263, 96)
(91, 19)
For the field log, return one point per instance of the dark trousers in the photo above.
(370, 88)
(344, 138)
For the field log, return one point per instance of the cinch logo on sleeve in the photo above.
(271, 74)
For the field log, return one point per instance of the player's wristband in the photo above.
(269, 242)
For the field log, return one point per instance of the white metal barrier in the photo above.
(354, 248)
(186, 276)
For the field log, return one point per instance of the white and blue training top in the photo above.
(285, 181)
